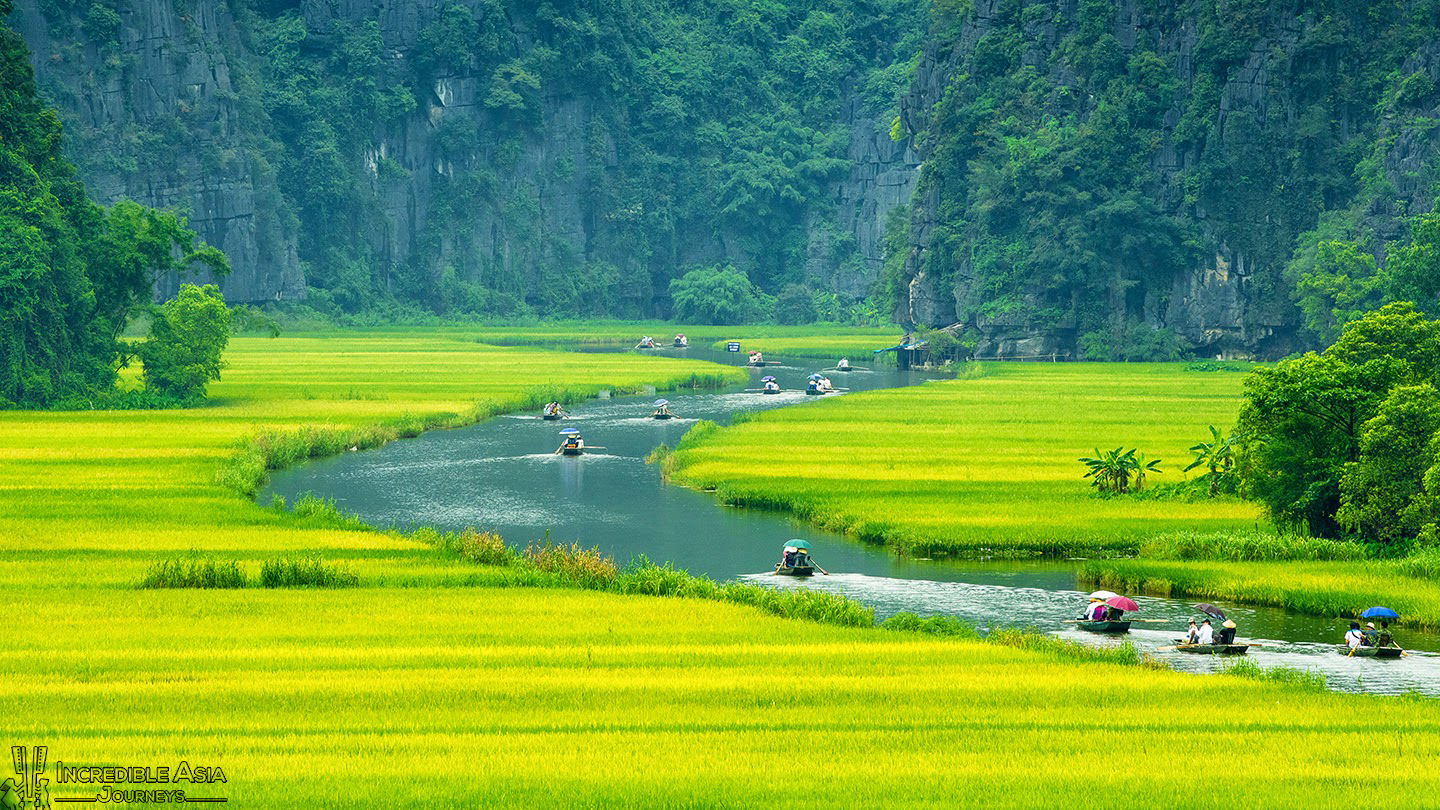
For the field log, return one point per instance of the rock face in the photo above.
(515, 210)
(1263, 99)
(165, 68)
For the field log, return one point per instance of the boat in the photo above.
(663, 416)
(1106, 627)
(795, 571)
(1210, 649)
(551, 417)
(771, 391)
(1372, 652)
(572, 451)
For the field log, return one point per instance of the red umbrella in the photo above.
(1122, 603)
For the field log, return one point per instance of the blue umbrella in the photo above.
(1379, 613)
(568, 431)
(660, 402)
(816, 376)
(768, 378)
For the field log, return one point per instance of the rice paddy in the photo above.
(438, 681)
(979, 466)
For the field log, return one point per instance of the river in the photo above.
(502, 475)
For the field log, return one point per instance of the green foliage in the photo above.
(306, 572)
(1132, 340)
(195, 573)
(187, 338)
(718, 295)
(1112, 471)
(1305, 418)
(795, 305)
(1217, 456)
(1382, 492)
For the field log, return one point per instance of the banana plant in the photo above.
(1110, 470)
(1217, 455)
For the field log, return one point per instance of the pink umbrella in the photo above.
(1122, 603)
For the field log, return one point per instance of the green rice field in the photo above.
(979, 466)
(441, 683)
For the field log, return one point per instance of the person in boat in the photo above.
(552, 409)
(1097, 614)
(756, 358)
(825, 385)
(844, 364)
(1385, 639)
(1087, 613)
(787, 557)
(1192, 636)
(663, 410)
(772, 387)
(1227, 633)
(647, 342)
(572, 442)
(1206, 634)
(1369, 637)
(681, 341)
(1354, 638)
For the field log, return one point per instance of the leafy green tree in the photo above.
(718, 295)
(795, 304)
(1339, 285)
(187, 338)
(1304, 418)
(1382, 492)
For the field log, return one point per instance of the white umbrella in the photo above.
(1103, 595)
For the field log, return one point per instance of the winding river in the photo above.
(502, 475)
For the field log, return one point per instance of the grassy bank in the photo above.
(821, 341)
(978, 466)
(435, 680)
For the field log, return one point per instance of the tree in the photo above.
(1112, 471)
(718, 295)
(187, 339)
(1382, 493)
(1304, 418)
(794, 305)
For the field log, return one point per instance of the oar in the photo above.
(822, 570)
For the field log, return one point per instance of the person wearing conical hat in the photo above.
(1227, 633)
(1372, 636)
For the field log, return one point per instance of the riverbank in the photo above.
(434, 682)
(980, 467)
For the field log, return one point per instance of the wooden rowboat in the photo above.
(1372, 652)
(1211, 649)
(770, 391)
(572, 451)
(663, 416)
(797, 571)
(1105, 627)
(551, 417)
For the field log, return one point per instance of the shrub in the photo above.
(202, 573)
(582, 567)
(187, 337)
(308, 572)
(718, 295)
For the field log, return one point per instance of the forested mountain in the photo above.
(1128, 179)
(1123, 180)
(567, 157)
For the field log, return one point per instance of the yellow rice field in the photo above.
(419, 689)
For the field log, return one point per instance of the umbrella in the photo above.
(1379, 613)
(660, 402)
(816, 376)
(1210, 610)
(1103, 595)
(768, 378)
(568, 431)
(797, 544)
(1122, 603)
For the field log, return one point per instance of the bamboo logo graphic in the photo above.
(32, 790)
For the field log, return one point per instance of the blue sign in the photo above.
(732, 346)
